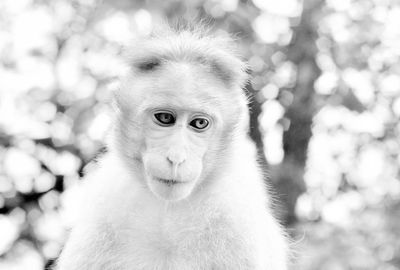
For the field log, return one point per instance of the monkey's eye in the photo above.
(199, 123)
(164, 118)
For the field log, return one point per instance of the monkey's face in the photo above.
(177, 129)
(182, 127)
(176, 141)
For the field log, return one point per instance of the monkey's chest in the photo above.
(186, 244)
(171, 240)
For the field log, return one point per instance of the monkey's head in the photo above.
(179, 110)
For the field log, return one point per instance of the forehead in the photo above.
(184, 86)
(194, 102)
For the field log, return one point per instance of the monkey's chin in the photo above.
(170, 190)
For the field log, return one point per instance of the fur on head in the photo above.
(193, 43)
(179, 108)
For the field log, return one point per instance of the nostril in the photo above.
(170, 160)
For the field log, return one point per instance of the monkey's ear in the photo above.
(140, 62)
(147, 65)
(231, 70)
(139, 57)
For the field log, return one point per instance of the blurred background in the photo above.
(326, 109)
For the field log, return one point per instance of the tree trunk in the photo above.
(302, 52)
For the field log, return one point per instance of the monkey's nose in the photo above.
(176, 158)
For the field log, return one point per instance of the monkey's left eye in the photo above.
(199, 123)
(164, 118)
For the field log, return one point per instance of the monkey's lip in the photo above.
(169, 182)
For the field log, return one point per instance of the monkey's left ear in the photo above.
(230, 69)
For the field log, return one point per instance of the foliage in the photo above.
(326, 92)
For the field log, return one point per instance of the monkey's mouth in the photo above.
(170, 189)
(168, 182)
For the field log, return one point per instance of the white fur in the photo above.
(223, 222)
(225, 226)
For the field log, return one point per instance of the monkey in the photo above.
(180, 186)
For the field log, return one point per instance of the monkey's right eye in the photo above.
(164, 118)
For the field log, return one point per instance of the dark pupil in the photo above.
(201, 123)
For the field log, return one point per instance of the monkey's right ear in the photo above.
(148, 64)
(141, 64)
(138, 58)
